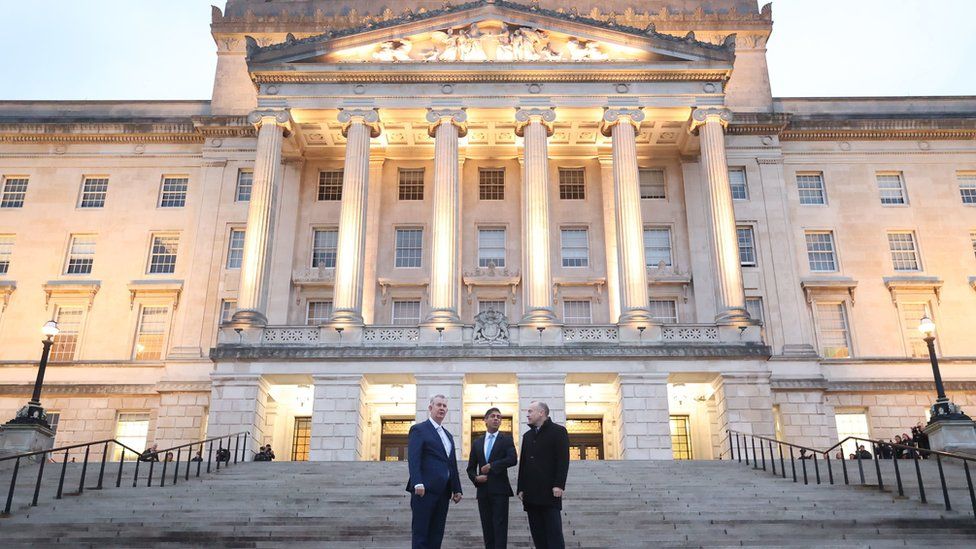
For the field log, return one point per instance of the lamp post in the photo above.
(33, 413)
(943, 409)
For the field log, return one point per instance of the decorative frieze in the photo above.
(391, 335)
(290, 336)
(690, 334)
(590, 334)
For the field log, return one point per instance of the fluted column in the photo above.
(535, 125)
(358, 127)
(446, 125)
(252, 298)
(621, 125)
(730, 296)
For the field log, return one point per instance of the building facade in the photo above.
(603, 208)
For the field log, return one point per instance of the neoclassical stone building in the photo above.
(601, 207)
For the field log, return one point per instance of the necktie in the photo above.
(488, 444)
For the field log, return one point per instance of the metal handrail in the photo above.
(65, 448)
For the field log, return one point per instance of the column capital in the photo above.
(702, 115)
(456, 117)
(278, 117)
(617, 115)
(369, 117)
(525, 116)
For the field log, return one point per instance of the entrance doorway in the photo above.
(681, 437)
(300, 440)
(478, 427)
(393, 438)
(585, 438)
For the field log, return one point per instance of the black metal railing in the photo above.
(742, 445)
(229, 448)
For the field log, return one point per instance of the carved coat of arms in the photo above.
(491, 328)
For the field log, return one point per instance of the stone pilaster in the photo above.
(237, 404)
(336, 418)
(548, 388)
(744, 403)
(252, 298)
(645, 426)
(452, 387)
(358, 127)
(730, 296)
(535, 125)
(622, 125)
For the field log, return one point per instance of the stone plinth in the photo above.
(24, 438)
(952, 436)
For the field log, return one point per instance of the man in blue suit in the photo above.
(434, 479)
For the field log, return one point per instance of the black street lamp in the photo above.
(943, 409)
(33, 413)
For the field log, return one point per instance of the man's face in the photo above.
(438, 409)
(493, 421)
(535, 415)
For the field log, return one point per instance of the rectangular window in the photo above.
(911, 316)
(162, 255)
(81, 255)
(747, 246)
(967, 186)
(151, 333)
(319, 312)
(491, 247)
(245, 180)
(664, 311)
(406, 312)
(235, 249)
(409, 248)
(173, 193)
(491, 184)
(652, 184)
(820, 251)
(227, 309)
(54, 419)
(572, 184)
(832, 326)
(330, 185)
(754, 307)
(904, 251)
(325, 245)
(411, 184)
(577, 312)
(575, 246)
(6, 251)
(132, 429)
(811, 189)
(93, 192)
(657, 246)
(491, 305)
(14, 192)
(737, 182)
(69, 331)
(892, 188)
(851, 424)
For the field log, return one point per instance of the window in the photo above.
(173, 193)
(491, 184)
(162, 255)
(330, 185)
(132, 430)
(491, 247)
(747, 246)
(151, 333)
(491, 305)
(892, 188)
(54, 419)
(737, 182)
(319, 312)
(411, 184)
(575, 248)
(235, 249)
(652, 185)
(572, 184)
(657, 246)
(904, 252)
(972, 238)
(81, 255)
(833, 330)
(14, 192)
(406, 312)
(911, 315)
(754, 306)
(6, 250)
(93, 192)
(664, 311)
(681, 437)
(245, 180)
(967, 186)
(227, 309)
(325, 244)
(851, 424)
(820, 251)
(811, 189)
(409, 247)
(69, 330)
(577, 312)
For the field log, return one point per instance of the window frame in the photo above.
(5, 201)
(152, 245)
(396, 246)
(72, 238)
(393, 311)
(565, 193)
(83, 191)
(589, 310)
(238, 186)
(822, 189)
(82, 317)
(755, 247)
(967, 182)
(670, 233)
(761, 307)
(160, 203)
(308, 310)
(140, 324)
(312, 250)
(819, 329)
(7, 243)
(916, 249)
(228, 254)
(910, 333)
(409, 188)
(490, 187)
(501, 300)
(562, 246)
(903, 188)
(833, 250)
(664, 182)
(745, 183)
(328, 188)
(504, 247)
(223, 317)
(672, 301)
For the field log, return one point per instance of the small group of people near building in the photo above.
(265, 454)
(903, 446)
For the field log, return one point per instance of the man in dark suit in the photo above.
(543, 468)
(434, 479)
(491, 456)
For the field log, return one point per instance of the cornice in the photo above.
(477, 74)
(55, 389)
(820, 384)
(878, 135)
(193, 130)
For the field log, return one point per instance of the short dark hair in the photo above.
(492, 409)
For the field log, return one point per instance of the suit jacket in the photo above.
(544, 464)
(429, 464)
(502, 457)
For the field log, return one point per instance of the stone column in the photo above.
(535, 125)
(730, 296)
(237, 404)
(252, 297)
(446, 126)
(548, 388)
(645, 423)
(451, 386)
(358, 127)
(622, 125)
(336, 418)
(745, 404)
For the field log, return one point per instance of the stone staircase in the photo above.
(363, 504)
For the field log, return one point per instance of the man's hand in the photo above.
(557, 492)
(420, 491)
(481, 479)
(485, 468)
(521, 496)
(456, 498)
